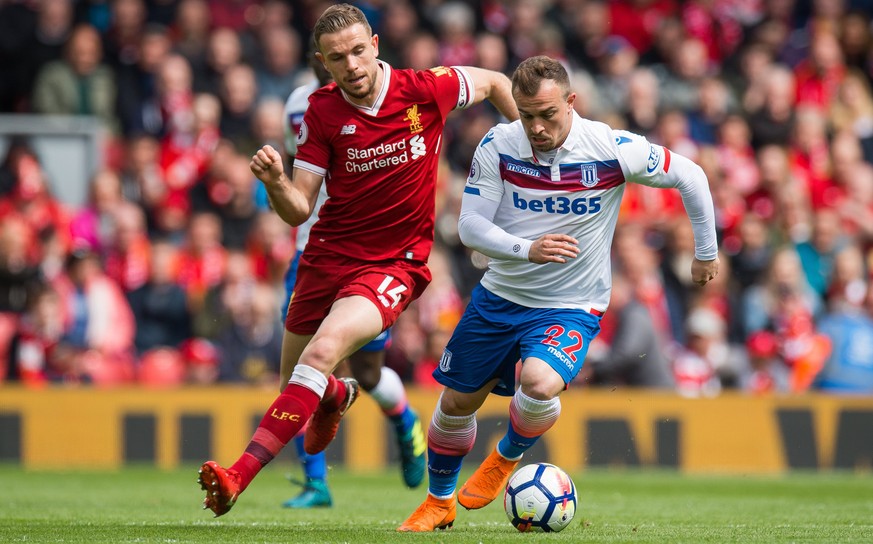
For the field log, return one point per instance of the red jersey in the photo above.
(380, 163)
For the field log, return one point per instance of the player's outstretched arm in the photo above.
(292, 201)
(496, 87)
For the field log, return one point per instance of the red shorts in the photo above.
(321, 280)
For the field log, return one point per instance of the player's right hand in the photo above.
(267, 165)
(553, 248)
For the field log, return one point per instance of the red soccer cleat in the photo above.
(324, 425)
(221, 486)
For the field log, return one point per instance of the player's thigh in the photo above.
(292, 346)
(559, 338)
(350, 324)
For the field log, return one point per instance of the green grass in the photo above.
(142, 505)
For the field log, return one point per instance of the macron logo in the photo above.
(348, 129)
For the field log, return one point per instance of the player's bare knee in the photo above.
(542, 390)
(321, 354)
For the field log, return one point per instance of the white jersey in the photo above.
(578, 194)
(295, 107)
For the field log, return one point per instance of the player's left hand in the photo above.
(704, 271)
(553, 248)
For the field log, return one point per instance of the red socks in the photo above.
(334, 395)
(285, 417)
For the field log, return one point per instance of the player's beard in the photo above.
(362, 93)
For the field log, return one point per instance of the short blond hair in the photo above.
(336, 18)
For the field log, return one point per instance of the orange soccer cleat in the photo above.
(433, 514)
(324, 424)
(221, 486)
(487, 482)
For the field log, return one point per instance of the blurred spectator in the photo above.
(683, 74)
(80, 84)
(399, 23)
(94, 225)
(185, 154)
(526, 18)
(268, 123)
(715, 23)
(203, 259)
(736, 155)
(849, 327)
(422, 52)
(190, 31)
(631, 351)
(455, 24)
(239, 92)
(809, 157)
(767, 372)
(138, 104)
(32, 201)
(250, 347)
(585, 25)
(696, 367)
(817, 254)
(223, 50)
(233, 14)
(856, 207)
(772, 121)
(127, 251)
(161, 368)
(643, 102)
(270, 247)
(852, 110)
(126, 27)
(749, 264)
(616, 63)
(39, 332)
(142, 180)
(160, 306)
(34, 34)
(282, 63)
(782, 293)
(856, 40)
(491, 52)
(714, 105)
(99, 327)
(637, 20)
(819, 76)
(235, 206)
(221, 300)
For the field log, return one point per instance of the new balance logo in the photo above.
(348, 129)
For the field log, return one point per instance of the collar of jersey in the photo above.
(386, 80)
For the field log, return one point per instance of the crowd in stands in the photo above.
(172, 271)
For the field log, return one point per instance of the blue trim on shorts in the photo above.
(494, 334)
(380, 343)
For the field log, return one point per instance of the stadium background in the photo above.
(140, 270)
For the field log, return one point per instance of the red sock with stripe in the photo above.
(282, 421)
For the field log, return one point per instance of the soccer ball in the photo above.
(540, 497)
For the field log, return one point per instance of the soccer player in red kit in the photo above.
(374, 137)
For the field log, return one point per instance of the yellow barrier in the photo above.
(92, 428)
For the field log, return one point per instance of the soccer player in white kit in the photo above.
(542, 200)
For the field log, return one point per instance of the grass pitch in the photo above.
(140, 505)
